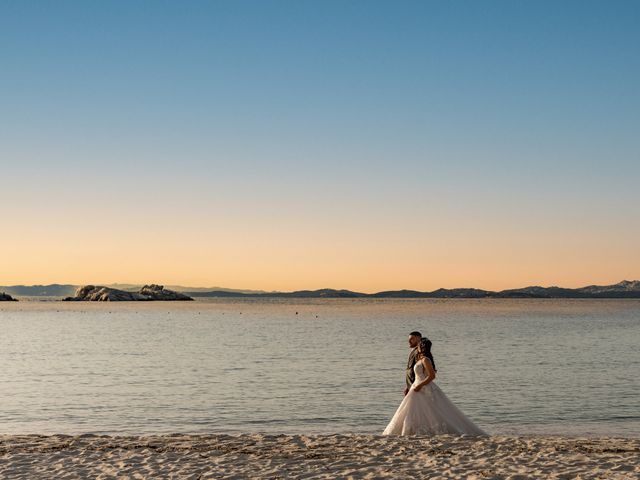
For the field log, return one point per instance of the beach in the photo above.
(316, 456)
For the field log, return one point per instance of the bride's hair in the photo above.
(425, 350)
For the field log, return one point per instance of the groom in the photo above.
(414, 340)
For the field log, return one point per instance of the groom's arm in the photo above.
(409, 381)
(410, 375)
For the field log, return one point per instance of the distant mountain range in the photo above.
(53, 290)
(624, 289)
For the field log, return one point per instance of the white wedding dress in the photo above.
(429, 412)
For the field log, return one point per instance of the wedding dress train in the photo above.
(429, 412)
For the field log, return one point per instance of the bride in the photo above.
(426, 410)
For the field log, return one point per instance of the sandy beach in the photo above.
(315, 456)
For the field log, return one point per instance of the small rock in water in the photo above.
(5, 297)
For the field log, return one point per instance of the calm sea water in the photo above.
(334, 365)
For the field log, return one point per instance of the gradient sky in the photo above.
(283, 145)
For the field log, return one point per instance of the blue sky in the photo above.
(366, 118)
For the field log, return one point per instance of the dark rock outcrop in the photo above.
(5, 297)
(158, 292)
(92, 293)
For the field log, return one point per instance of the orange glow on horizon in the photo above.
(280, 259)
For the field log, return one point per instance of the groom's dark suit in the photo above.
(413, 358)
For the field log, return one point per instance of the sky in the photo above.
(283, 145)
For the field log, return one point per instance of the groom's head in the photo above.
(414, 339)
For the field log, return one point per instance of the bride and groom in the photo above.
(425, 409)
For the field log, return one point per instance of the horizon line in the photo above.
(220, 288)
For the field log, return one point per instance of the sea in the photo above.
(315, 366)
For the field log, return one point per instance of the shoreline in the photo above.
(316, 456)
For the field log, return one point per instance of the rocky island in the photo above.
(92, 293)
(5, 297)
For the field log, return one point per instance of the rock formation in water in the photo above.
(158, 292)
(5, 297)
(106, 294)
